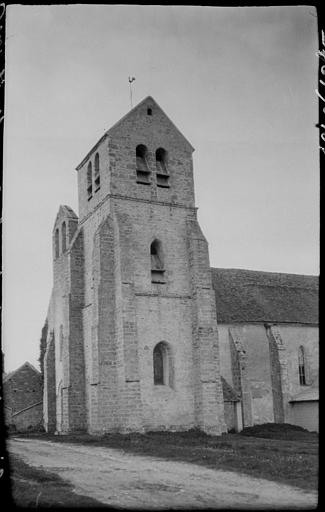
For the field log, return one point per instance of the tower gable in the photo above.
(143, 156)
(65, 226)
(147, 110)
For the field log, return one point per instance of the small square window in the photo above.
(149, 111)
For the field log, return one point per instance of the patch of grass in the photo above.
(35, 488)
(288, 460)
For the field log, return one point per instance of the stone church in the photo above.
(133, 342)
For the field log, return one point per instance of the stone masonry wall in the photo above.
(23, 389)
(279, 372)
(155, 131)
(29, 419)
(294, 336)
(253, 355)
(106, 370)
(259, 372)
(49, 399)
(208, 394)
(59, 324)
(65, 319)
(287, 339)
(76, 389)
(86, 206)
(240, 376)
(270, 366)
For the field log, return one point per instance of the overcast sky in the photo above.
(238, 82)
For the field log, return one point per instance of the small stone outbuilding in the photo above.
(23, 399)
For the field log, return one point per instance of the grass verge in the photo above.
(283, 455)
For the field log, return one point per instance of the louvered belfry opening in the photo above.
(64, 237)
(142, 170)
(97, 173)
(161, 168)
(57, 243)
(89, 181)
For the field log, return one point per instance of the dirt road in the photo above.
(121, 479)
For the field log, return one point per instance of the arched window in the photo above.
(97, 174)
(64, 237)
(161, 168)
(57, 243)
(141, 165)
(89, 181)
(163, 373)
(157, 262)
(302, 366)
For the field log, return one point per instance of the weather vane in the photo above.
(131, 79)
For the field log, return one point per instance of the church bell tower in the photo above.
(147, 307)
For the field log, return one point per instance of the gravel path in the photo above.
(121, 479)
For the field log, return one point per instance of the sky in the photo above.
(239, 83)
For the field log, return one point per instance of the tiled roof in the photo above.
(307, 395)
(254, 296)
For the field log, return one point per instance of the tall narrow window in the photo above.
(57, 243)
(141, 165)
(158, 364)
(302, 366)
(89, 181)
(97, 174)
(64, 237)
(61, 342)
(162, 365)
(157, 262)
(161, 168)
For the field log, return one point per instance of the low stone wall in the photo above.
(30, 418)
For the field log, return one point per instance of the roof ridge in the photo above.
(268, 272)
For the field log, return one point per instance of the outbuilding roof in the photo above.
(255, 296)
(13, 372)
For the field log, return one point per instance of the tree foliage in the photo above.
(43, 347)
